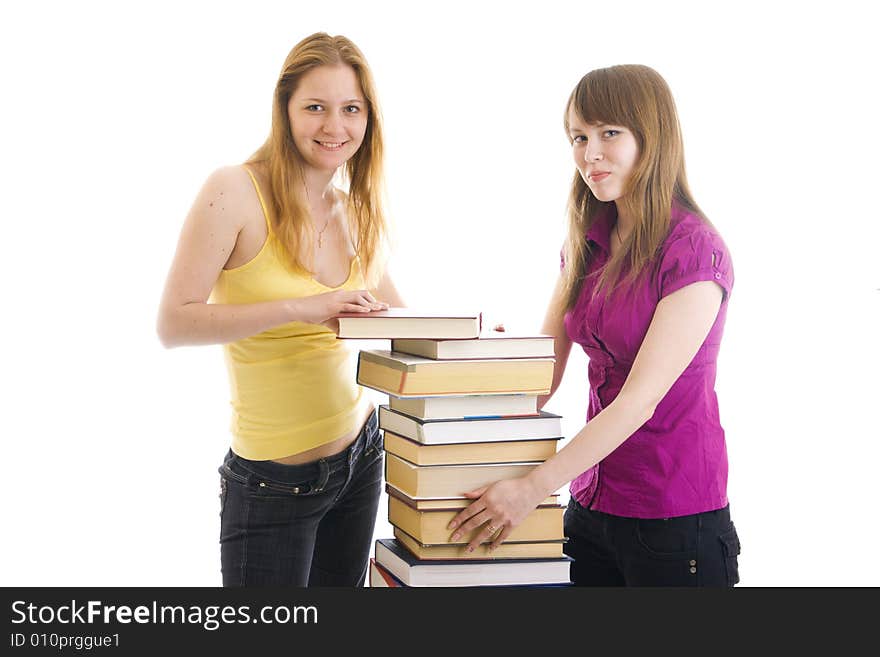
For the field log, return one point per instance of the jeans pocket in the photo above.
(731, 548)
(267, 479)
(572, 518)
(266, 488)
(671, 538)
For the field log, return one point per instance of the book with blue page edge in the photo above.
(472, 429)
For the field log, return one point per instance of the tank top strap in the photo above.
(260, 196)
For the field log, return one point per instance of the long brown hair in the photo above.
(637, 98)
(363, 172)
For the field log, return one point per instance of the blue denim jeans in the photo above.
(695, 550)
(301, 525)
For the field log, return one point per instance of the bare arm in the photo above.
(554, 325)
(680, 325)
(209, 234)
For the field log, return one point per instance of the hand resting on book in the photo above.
(319, 308)
(499, 507)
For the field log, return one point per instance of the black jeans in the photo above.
(301, 525)
(695, 550)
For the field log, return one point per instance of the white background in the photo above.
(114, 114)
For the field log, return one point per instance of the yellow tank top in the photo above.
(292, 387)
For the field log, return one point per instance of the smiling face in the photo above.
(328, 116)
(604, 154)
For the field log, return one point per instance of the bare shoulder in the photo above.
(230, 186)
(227, 199)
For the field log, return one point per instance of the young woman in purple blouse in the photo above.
(643, 289)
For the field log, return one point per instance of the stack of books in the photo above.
(462, 414)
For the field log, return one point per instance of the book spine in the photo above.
(402, 382)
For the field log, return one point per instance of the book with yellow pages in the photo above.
(403, 375)
(408, 323)
(470, 430)
(507, 550)
(424, 504)
(458, 407)
(431, 527)
(448, 480)
(452, 453)
(488, 345)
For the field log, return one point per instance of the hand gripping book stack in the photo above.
(462, 414)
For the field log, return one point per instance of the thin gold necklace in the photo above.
(321, 232)
(326, 223)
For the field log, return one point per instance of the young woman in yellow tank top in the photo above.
(270, 252)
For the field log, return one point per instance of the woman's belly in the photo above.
(331, 448)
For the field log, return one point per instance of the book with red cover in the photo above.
(409, 323)
(381, 578)
(410, 571)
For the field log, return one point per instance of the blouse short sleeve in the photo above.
(696, 255)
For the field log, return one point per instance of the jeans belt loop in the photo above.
(356, 447)
(360, 443)
(323, 475)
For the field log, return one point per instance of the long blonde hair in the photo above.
(637, 98)
(284, 164)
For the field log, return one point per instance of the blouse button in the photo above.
(717, 275)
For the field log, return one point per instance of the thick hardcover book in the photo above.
(403, 375)
(465, 407)
(490, 345)
(471, 430)
(497, 572)
(447, 503)
(461, 453)
(421, 481)
(457, 552)
(408, 323)
(431, 527)
(381, 578)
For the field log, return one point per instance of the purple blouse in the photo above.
(676, 463)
